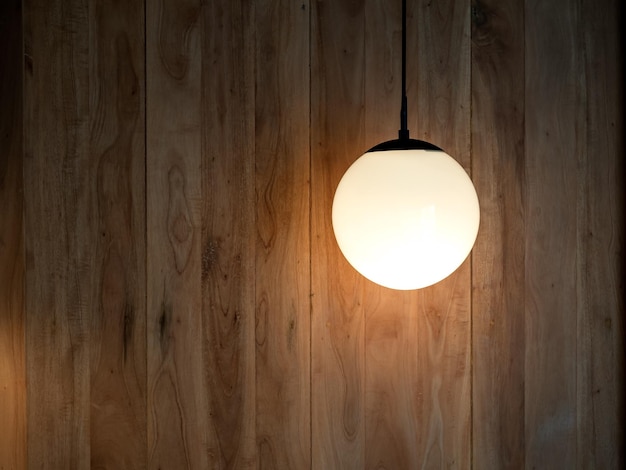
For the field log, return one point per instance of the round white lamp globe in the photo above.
(405, 218)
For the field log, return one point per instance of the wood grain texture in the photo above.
(228, 230)
(498, 268)
(391, 379)
(12, 348)
(442, 96)
(337, 322)
(171, 291)
(554, 129)
(118, 321)
(600, 254)
(59, 232)
(282, 242)
(391, 335)
(178, 422)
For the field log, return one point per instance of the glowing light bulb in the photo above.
(405, 218)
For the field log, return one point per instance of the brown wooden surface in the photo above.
(553, 91)
(118, 321)
(228, 231)
(391, 380)
(59, 233)
(337, 322)
(498, 256)
(12, 350)
(178, 421)
(184, 303)
(282, 161)
(601, 197)
(441, 94)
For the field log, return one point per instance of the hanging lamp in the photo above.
(405, 214)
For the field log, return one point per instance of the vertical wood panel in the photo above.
(226, 330)
(600, 341)
(442, 97)
(498, 268)
(118, 323)
(553, 145)
(12, 348)
(178, 422)
(337, 322)
(228, 230)
(391, 335)
(391, 379)
(282, 238)
(59, 232)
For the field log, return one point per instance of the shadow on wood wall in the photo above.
(171, 294)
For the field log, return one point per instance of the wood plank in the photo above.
(59, 232)
(12, 348)
(498, 268)
(553, 128)
(601, 231)
(337, 322)
(178, 423)
(282, 241)
(391, 335)
(442, 98)
(391, 382)
(228, 230)
(118, 322)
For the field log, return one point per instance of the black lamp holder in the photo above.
(404, 142)
(403, 133)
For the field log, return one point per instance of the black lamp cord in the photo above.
(403, 133)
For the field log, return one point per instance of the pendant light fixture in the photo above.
(405, 214)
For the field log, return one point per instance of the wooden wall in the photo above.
(171, 294)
